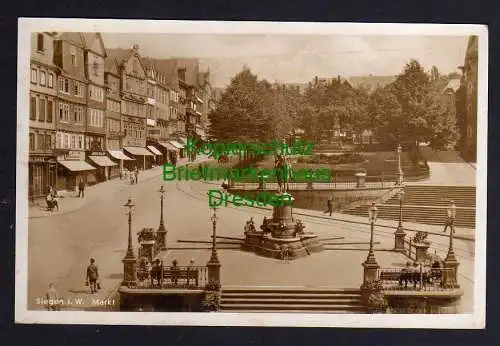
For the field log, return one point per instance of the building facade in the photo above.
(95, 126)
(468, 129)
(43, 104)
(71, 113)
(114, 128)
(133, 95)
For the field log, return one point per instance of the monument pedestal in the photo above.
(282, 237)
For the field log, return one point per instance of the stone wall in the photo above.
(342, 198)
(155, 300)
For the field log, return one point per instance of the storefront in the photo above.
(179, 147)
(103, 166)
(42, 175)
(157, 159)
(140, 154)
(168, 151)
(71, 171)
(120, 158)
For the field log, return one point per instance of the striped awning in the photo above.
(102, 161)
(168, 146)
(76, 165)
(138, 151)
(177, 144)
(119, 155)
(154, 150)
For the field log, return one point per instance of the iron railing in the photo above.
(335, 185)
(187, 277)
(417, 278)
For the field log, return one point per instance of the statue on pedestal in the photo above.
(284, 168)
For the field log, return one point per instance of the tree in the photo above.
(385, 115)
(239, 115)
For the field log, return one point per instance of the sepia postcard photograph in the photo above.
(251, 173)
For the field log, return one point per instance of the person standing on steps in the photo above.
(329, 205)
(81, 188)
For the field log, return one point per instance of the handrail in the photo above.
(417, 278)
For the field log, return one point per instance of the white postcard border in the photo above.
(22, 315)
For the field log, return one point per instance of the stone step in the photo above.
(290, 295)
(293, 301)
(291, 307)
(289, 290)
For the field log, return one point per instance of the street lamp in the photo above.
(450, 262)
(129, 261)
(452, 212)
(370, 265)
(400, 171)
(372, 216)
(213, 264)
(399, 235)
(162, 232)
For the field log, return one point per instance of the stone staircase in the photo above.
(427, 204)
(282, 299)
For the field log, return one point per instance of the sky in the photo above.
(298, 58)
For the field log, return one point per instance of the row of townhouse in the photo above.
(96, 111)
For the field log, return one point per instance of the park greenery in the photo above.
(411, 109)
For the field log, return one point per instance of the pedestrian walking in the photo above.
(81, 188)
(92, 277)
(329, 206)
(136, 175)
(53, 300)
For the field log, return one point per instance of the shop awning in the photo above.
(154, 150)
(138, 151)
(167, 145)
(183, 141)
(102, 161)
(119, 155)
(76, 165)
(177, 144)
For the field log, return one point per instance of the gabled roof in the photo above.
(453, 84)
(110, 66)
(89, 38)
(120, 55)
(73, 38)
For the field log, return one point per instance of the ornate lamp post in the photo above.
(400, 171)
(213, 264)
(399, 235)
(370, 265)
(129, 261)
(162, 232)
(451, 263)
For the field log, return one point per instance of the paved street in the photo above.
(99, 229)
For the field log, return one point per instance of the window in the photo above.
(78, 114)
(50, 80)
(50, 110)
(59, 143)
(48, 142)
(32, 141)
(64, 85)
(63, 112)
(33, 75)
(41, 110)
(73, 142)
(33, 108)
(40, 141)
(95, 67)
(73, 55)
(42, 78)
(39, 43)
(66, 141)
(80, 142)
